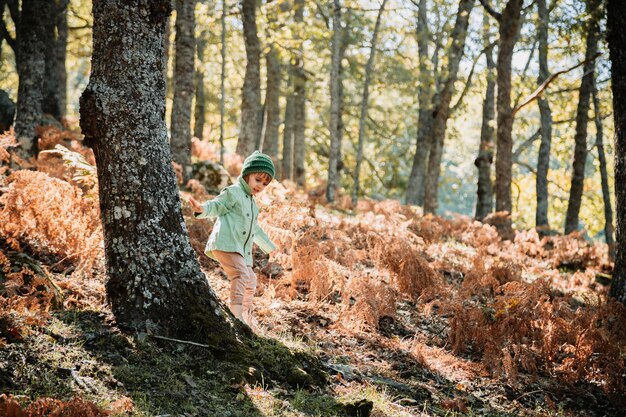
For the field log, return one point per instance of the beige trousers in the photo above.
(242, 283)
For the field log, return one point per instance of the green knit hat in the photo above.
(258, 162)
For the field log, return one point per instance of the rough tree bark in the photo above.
(200, 107)
(364, 103)
(509, 27)
(250, 132)
(543, 159)
(616, 37)
(442, 110)
(582, 118)
(425, 90)
(184, 60)
(299, 100)
(333, 174)
(272, 92)
(166, 58)
(484, 160)
(30, 58)
(155, 284)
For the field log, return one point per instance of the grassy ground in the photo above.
(80, 352)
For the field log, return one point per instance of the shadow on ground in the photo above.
(177, 379)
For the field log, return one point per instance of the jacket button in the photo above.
(244, 233)
(248, 214)
(248, 253)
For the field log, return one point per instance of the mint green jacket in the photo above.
(236, 227)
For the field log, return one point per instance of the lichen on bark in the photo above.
(154, 281)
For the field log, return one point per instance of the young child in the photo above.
(236, 229)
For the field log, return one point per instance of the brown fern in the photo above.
(52, 216)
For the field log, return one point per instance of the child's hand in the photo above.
(195, 206)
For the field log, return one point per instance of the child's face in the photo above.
(258, 181)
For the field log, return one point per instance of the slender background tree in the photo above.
(200, 102)
(509, 27)
(543, 159)
(184, 61)
(299, 96)
(441, 110)
(484, 160)
(31, 64)
(335, 99)
(364, 103)
(616, 19)
(250, 131)
(272, 91)
(415, 187)
(594, 11)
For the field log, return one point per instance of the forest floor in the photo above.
(409, 315)
(80, 352)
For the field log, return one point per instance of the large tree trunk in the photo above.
(155, 284)
(543, 159)
(484, 160)
(272, 93)
(616, 36)
(582, 119)
(55, 79)
(509, 31)
(442, 111)
(415, 186)
(184, 60)
(250, 132)
(604, 176)
(364, 103)
(335, 81)
(200, 107)
(30, 57)
(299, 101)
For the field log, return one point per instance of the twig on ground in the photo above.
(186, 342)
